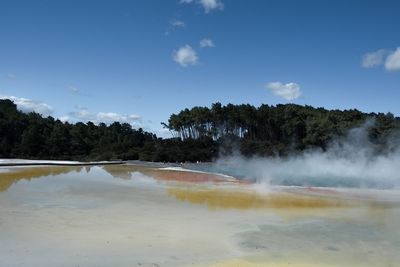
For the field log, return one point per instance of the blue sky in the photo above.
(139, 61)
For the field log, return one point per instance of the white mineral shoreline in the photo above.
(28, 162)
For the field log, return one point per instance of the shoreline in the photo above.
(25, 162)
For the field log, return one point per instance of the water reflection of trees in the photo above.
(13, 175)
(119, 171)
(126, 171)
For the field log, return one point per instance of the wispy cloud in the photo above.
(28, 105)
(392, 62)
(173, 25)
(206, 43)
(11, 76)
(177, 23)
(73, 89)
(208, 5)
(288, 91)
(373, 59)
(83, 114)
(389, 59)
(185, 56)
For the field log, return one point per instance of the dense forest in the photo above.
(278, 130)
(29, 135)
(199, 134)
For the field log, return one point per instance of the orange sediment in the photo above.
(216, 198)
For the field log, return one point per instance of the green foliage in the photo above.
(200, 134)
(32, 136)
(276, 130)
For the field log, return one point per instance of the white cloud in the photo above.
(373, 59)
(392, 62)
(82, 114)
(164, 133)
(177, 23)
(288, 91)
(185, 56)
(389, 59)
(208, 5)
(111, 117)
(64, 118)
(28, 105)
(206, 43)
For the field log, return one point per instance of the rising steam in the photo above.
(352, 161)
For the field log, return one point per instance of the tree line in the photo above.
(281, 129)
(31, 136)
(199, 133)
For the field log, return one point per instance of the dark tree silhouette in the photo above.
(200, 133)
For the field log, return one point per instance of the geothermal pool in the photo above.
(132, 215)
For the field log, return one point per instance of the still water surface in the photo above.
(130, 215)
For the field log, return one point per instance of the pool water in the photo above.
(132, 215)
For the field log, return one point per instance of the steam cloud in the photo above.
(351, 161)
